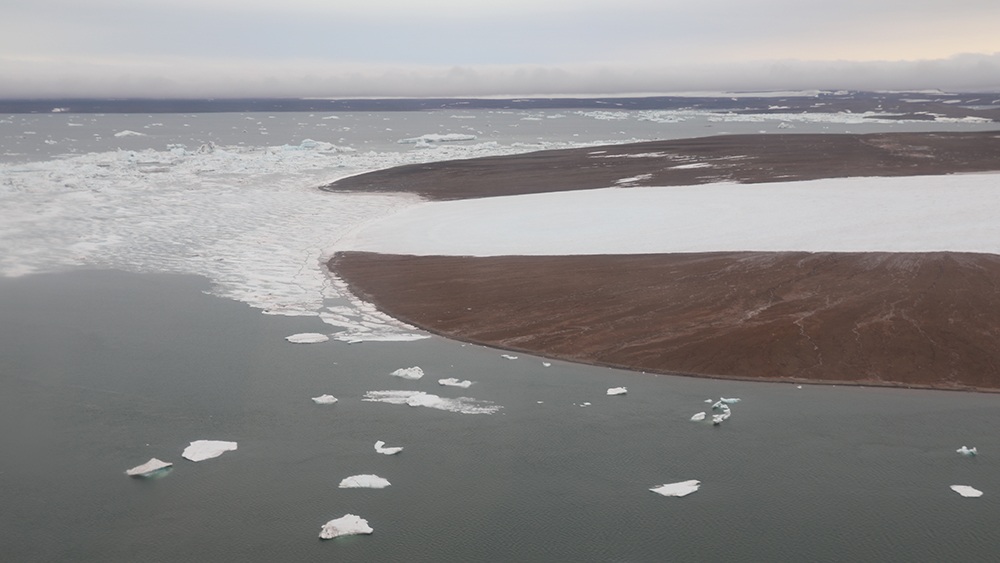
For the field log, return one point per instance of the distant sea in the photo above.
(137, 266)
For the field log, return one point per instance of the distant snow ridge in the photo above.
(463, 405)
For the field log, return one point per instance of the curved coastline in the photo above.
(634, 316)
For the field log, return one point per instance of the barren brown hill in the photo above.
(924, 319)
(734, 158)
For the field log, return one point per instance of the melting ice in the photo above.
(464, 405)
(346, 525)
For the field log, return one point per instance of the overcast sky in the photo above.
(334, 48)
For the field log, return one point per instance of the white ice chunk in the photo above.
(464, 405)
(699, 416)
(966, 491)
(508, 357)
(617, 391)
(967, 451)
(708, 400)
(346, 525)
(127, 133)
(356, 337)
(364, 482)
(728, 401)
(718, 418)
(148, 468)
(379, 447)
(439, 138)
(200, 450)
(677, 489)
(324, 400)
(409, 373)
(454, 382)
(307, 338)
(546, 364)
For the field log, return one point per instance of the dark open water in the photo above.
(101, 370)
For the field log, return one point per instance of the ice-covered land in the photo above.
(409, 373)
(617, 391)
(966, 491)
(200, 450)
(455, 382)
(324, 400)
(463, 405)
(346, 525)
(680, 489)
(897, 214)
(364, 482)
(392, 450)
(307, 338)
(149, 468)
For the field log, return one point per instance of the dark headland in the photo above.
(900, 319)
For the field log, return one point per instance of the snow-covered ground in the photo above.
(905, 214)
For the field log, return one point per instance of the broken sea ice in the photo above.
(307, 338)
(149, 468)
(617, 391)
(967, 491)
(346, 525)
(698, 417)
(364, 482)
(680, 489)
(454, 382)
(200, 450)
(324, 400)
(409, 373)
(379, 447)
(967, 451)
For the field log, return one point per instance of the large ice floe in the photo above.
(617, 391)
(455, 382)
(409, 373)
(680, 489)
(346, 525)
(307, 338)
(364, 482)
(463, 405)
(200, 450)
(966, 491)
(392, 450)
(149, 469)
(898, 214)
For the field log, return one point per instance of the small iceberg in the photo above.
(681, 489)
(617, 391)
(967, 451)
(379, 447)
(464, 405)
(698, 417)
(200, 450)
(324, 400)
(346, 525)
(967, 491)
(409, 373)
(127, 133)
(728, 401)
(547, 364)
(149, 468)
(307, 338)
(454, 382)
(364, 482)
(508, 357)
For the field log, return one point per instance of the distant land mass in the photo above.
(874, 318)
(890, 105)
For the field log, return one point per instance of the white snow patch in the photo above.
(617, 391)
(463, 405)
(147, 469)
(680, 489)
(324, 400)
(200, 450)
(364, 482)
(380, 448)
(455, 382)
(346, 525)
(307, 338)
(966, 491)
(409, 373)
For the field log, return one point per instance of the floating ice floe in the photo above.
(409, 373)
(681, 489)
(508, 357)
(364, 482)
(728, 401)
(354, 337)
(454, 382)
(699, 416)
(617, 391)
(966, 491)
(380, 448)
(324, 400)
(708, 400)
(546, 364)
(463, 405)
(307, 338)
(149, 468)
(127, 133)
(200, 450)
(346, 525)
(439, 138)
(967, 451)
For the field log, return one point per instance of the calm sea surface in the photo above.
(102, 369)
